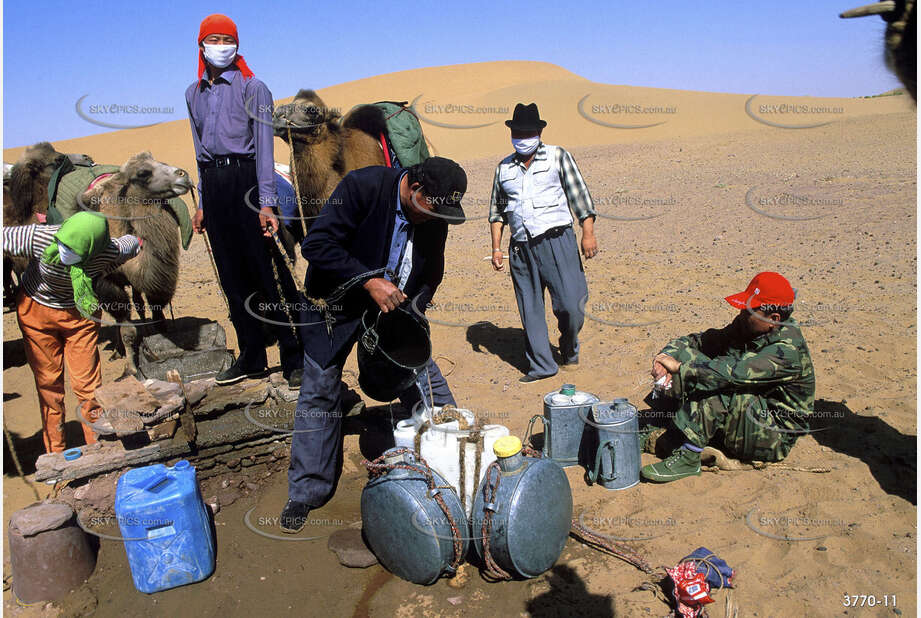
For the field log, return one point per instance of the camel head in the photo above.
(29, 178)
(144, 175)
(308, 118)
(901, 38)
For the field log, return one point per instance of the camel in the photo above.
(901, 38)
(327, 146)
(25, 201)
(132, 200)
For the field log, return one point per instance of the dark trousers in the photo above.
(316, 445)
(244, 263)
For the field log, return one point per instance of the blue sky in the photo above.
(145, 53)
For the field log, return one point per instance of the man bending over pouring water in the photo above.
(377, 218)
(752, 382)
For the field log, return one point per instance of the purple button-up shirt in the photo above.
(233, 116)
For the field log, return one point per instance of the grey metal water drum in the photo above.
(531, 511)
(617, 454)
(50, 555)
(564, 417)
(405, 526)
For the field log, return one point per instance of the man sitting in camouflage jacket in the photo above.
(750, 383)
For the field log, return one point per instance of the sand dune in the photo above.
(469, 94)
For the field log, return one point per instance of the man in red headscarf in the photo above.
(231, 115)
(751, 382)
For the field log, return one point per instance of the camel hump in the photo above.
(399, 125)
(367, 118)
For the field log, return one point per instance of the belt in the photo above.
(225, 161)
(552, 232)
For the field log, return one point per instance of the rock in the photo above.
(235, 396)
(98, 492)
(123, 422)
(126, 394)
(197, 389)
(162, 390)
(228, 496)
(281, 392)
(214, 504)
(40, 518)
(163, 431)
(350, 549)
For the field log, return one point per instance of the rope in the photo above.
(377, 468)
(281, 292)
(618, 550)
(289, 260)
(449, 412)
(297, 185)
(9, 443)
(490, 489)
(450, 360)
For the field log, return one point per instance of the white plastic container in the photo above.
(440, 446)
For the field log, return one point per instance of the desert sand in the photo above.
(689, 210)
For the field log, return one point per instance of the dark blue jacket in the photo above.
(352, 237)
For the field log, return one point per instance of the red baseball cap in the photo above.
(767, 288)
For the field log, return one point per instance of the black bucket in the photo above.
(392, 350)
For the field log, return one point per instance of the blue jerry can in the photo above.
(165, 526)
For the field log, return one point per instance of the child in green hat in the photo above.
(58, 310)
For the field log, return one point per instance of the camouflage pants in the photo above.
(748, 428)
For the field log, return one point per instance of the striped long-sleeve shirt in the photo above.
(49, 284)
(535, 199)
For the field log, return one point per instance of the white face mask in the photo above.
(527, 145)
(68, 257)
(220, 55)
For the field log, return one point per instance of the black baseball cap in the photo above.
(444, 183)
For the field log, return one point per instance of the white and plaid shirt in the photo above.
(535, 199)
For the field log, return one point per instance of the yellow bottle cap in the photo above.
(506, 446)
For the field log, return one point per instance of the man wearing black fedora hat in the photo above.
(381, 236)
(534, 189)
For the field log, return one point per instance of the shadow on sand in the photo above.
(888, 453)
(568, 596)
(506, 343)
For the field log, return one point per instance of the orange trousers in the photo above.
(53, 337)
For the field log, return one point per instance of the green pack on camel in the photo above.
(404, 133)
(70, 180)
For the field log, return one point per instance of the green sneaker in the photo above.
(680, 464)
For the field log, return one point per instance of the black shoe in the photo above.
(235, 373)
(294, 517)
(525, 379)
